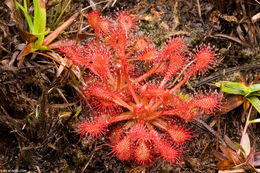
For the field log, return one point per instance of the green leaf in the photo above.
(39, 22)
(255, 87)
(233, 87)
(44, 33)
(254, 94)
(78, 110)
(255, 102)
(254, 121)
(37, 16)
(239, 146)
(37, 112)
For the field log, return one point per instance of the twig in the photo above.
(218, 132)
(79, 27)
(90, 158)
(8, 68)
(211, 130)
(4, 49)
(38, 169)
(56, 106)
(113, 3)
(225, 72)
(235, 171)
(256, 17)
(199, 10)
(90, 6)
(243, 43)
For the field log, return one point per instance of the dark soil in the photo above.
(37, 106)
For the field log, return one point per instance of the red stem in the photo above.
(121, 117)
(129, 84)
(181, 82)
(121, 102)
(157, 123)
(158, 114)
(155, 106)
(117, 99)
(147, 74)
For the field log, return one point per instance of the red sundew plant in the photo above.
(133, 88)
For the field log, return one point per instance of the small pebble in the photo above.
(183, 19)
(158, 8)
(217, 27)
(196, 25)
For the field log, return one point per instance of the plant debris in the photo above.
(39, 99)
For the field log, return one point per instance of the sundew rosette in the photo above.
(133, 89)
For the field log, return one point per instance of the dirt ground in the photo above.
(38, 108)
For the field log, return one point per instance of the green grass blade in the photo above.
(55, 15)
(61, 14)
(37, 112)
(27, 16)
(25, 5)
(255, 102)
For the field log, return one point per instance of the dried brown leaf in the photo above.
(243, 43)
(231, 155)
(229, 18)
(232, 102)
(4, 28)
(235, 171)
(26, 35)
(256, 18)
(257, 159)
(60, 29)
(72, 40)
(240, 33)
(214, 17)
(15, 16)
(220, 156)
(230, 143)
(42, 4)
(28, 49)
(225, 164)
(251, 157)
